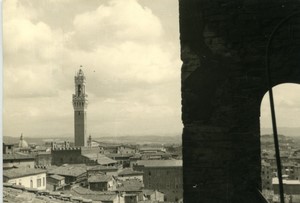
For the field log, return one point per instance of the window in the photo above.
(44, 181)
(38, 182)
(31, 184)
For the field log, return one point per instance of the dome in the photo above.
(22, 142)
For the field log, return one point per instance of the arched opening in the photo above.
(287, 109)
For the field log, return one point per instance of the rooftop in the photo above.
(102, 168)
(94, 195)
(69, 170)
(16, 156)
(99, 178)
(131, 185)
(22, 172)
(129, 171)
(57, 177)
(100, 158)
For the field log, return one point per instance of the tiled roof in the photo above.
(94, 195)
(131, 185)
(57, 177)
(69, 170)
(99, 178)
(16, 156)
(22, 172)
(160, 163)
(101, 159)
(102, 168)
(129, 171)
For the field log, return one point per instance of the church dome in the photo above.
(22, 142)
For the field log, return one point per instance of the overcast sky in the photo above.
(129, 50)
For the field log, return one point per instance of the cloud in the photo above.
(116, 22)
(132, 70)
(286, 99)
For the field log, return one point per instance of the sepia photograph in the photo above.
(149, 101)
(92, 102)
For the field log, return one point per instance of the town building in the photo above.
(55, 182)
(131, 190)
(27, 177)
(129, 173)
(153, 195)
(70, 155)
(163, 175)
(8, 148)
(108, 170)
(98, 196)
(75, 173)
(80, 105)
(43, 159)
(101, 182)
(266, 175)
(17, 160)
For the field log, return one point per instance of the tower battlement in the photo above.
(66, 149)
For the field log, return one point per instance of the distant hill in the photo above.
(148, 139)
(291, 132)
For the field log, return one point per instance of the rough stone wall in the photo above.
(66, 156)
(223, 45)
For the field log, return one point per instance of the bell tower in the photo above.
(80, 105)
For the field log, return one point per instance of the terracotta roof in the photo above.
(100, 158)
(131, 185)
(94, 195)
(99, 178)
(57, 177)
(16, 156)
(129, 171)
(69, 170)
(102, 168)
(22, 172)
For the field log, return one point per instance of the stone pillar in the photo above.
(223, 81)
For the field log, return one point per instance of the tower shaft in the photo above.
(80, 105)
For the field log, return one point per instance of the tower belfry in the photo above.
(80, 105)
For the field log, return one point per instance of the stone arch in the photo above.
(223, 47)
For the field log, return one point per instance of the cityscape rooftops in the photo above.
(131, 185)
(74, 170)
(129, 171)
(99, 178)
(57, 177)
(22, 172)
(94, 195)
(17, 156)
(100, 158)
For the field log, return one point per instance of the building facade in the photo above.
(27, 177)
(80, 105)
(163, 175)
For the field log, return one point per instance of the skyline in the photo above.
(130, 54)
